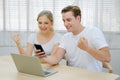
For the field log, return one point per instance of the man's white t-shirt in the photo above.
(80, 58)
(49, 45)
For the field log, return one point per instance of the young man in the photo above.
(85, 47)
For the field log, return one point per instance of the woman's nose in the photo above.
(42, 25)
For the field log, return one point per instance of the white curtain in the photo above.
(20, 15)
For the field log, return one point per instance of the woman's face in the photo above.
(44, 24)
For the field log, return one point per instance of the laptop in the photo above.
(31, 65)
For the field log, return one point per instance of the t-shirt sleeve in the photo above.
(98, 39)
(62, 42)
(59, 36)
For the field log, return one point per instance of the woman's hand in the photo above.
(16, 38)
(40, 54)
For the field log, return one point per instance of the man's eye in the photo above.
(68, 20)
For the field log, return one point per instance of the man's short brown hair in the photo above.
(75, 9)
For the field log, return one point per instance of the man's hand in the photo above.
(40, 54)
(83, 43)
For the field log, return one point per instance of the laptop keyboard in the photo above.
(47, 71)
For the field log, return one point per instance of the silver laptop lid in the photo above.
(30, 65)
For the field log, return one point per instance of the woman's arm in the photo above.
(29, 48)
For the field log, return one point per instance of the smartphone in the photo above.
(38, 46)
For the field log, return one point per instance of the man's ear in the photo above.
(79, 18)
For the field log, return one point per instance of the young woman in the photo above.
(46, 36)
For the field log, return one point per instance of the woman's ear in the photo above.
(52, 23)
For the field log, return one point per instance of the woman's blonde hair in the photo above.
(48, 14)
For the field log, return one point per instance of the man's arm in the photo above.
(52, 59)
(102, 54)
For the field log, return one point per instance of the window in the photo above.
(1, 15)
(20, 15)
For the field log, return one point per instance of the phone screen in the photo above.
(38, 46)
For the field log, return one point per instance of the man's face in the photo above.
(70, 22)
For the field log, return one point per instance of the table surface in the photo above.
(8, 71)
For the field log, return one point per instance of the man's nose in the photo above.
(65, 23)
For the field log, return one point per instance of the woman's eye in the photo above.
(39, 23)
(46, 23)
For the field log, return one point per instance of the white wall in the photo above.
(7, 46)
(113, 41)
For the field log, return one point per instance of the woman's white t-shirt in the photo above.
(49, 45)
